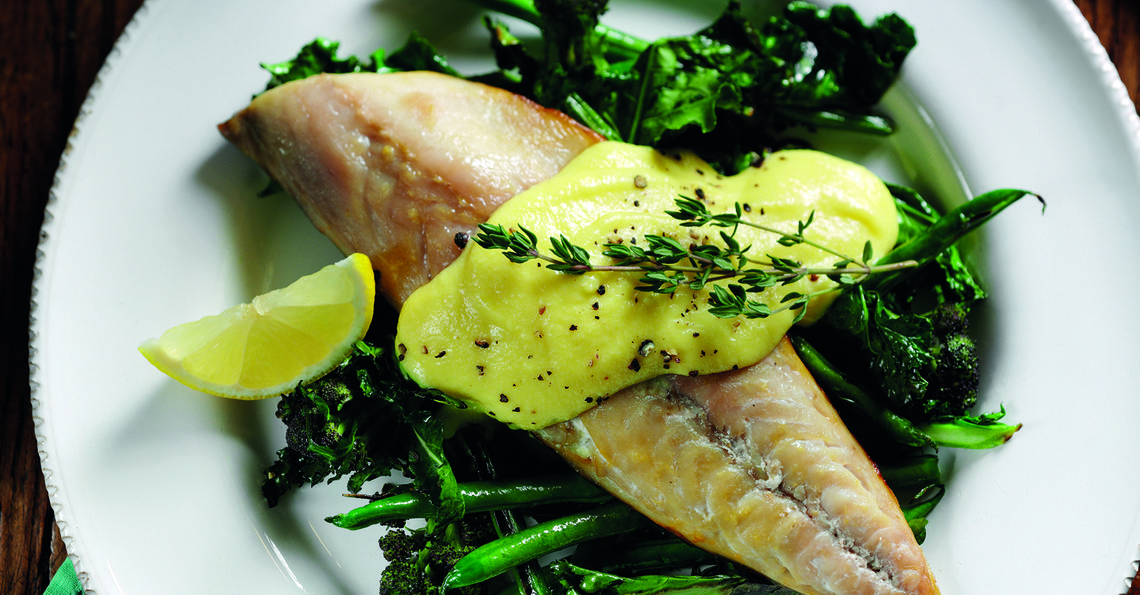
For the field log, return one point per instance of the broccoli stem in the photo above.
(957, 432)
(617, 42)
(914, 472)
(965, 432)
(838, 387)
(519, 9)
(585, 113)
(477, 496)
(527, 578)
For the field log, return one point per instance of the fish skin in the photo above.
(452, 151)
(761, 470)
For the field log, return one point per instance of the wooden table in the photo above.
(50, 52)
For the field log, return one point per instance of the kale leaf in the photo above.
(320, 57)
(726, 91)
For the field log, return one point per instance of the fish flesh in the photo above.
(752, 464)
(452, 151)
(760, 469)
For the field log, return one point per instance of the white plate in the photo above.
(154, 223)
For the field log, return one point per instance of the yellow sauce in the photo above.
(533, 347)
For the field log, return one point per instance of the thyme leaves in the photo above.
(733, 275)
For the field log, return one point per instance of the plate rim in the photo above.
(56, 498)
(1128, 112)
(1125, 110)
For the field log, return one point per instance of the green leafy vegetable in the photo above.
(903, 330)
(724, 91)
(363, 420)
(320, 57)
(418, 560)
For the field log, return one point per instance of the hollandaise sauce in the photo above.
(533, 347)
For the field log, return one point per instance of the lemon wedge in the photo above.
(283, 338)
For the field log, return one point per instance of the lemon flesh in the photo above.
(281, 339)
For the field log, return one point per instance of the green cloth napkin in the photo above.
(65, 581)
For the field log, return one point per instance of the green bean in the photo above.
(478, 496)
(915, 473)
(527, 578)
(501, 555)
(640, 556)
(840, 119)
(585, 113)
(948, 229)
(584, 580)
(837, 386)
(656, 556)
(952, 226)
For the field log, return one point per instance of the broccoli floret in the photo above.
(309, 419)
(347, 423)
(418, 560)
(953, 388)
(320, 440)
(404, 573)
(955, 380)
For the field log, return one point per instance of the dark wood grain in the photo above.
(50, 53)
(1117, 24)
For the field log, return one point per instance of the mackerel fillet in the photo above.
(753, 464)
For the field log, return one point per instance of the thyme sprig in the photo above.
(666, 264)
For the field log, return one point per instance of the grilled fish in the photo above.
(752, 464)
(758, 468)
(452, 151)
